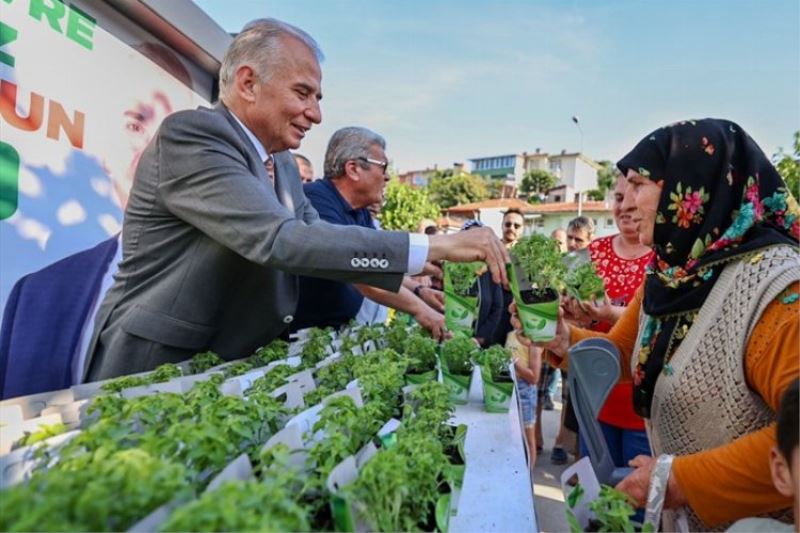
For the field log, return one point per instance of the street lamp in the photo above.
(578, 124)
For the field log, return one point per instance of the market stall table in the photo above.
(497, 493)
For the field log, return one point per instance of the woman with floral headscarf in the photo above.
(711, 339)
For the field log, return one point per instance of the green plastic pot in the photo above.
(539, 320)
(496, 395)
(421, 379)
(460, 312)
(458, 385)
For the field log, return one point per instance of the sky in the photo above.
(449, 80)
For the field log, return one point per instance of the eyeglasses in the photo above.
(383, 164)
(513, 225)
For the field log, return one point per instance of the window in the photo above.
(609, 222)
(539, 222)
(557, 198)
(555, 167)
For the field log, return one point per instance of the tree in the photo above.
(596, 195)
(537, 181)
(788, 166)
(606, 177)
(456, 189)
(405, 207)
(495, 188)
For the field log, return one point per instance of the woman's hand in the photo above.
(637, 484)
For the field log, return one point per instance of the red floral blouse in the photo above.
(621, 278)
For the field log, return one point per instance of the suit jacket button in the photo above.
(384, 263)
(374, 262)
(355, 262)
(288, 319)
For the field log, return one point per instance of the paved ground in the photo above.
(548, 498)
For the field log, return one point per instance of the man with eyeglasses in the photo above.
(355, 176)
(513, 222)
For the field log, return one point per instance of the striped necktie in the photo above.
(269, 164)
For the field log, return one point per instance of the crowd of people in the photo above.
(229, 242)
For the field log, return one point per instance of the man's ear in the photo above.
(781, 473)
(246, 83)
(350, 168)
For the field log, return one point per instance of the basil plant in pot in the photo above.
(498, 386)
(456, 359)
(536, 274)
(461, 296)
(421, 353)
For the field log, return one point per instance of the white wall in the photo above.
(554, 221)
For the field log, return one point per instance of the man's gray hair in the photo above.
(348, 144)
(258, 45)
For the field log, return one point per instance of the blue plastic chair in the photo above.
(593, 372)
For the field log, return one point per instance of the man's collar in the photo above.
(329, 182)
(262, 152)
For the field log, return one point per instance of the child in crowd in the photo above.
(527, 362)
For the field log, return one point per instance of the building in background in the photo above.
(550, 216)
(574, 172)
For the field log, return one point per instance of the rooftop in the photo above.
(500, 203)
(568, 207)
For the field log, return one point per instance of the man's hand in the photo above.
(431, 321)
(637, 483)
(433, 298)
(478, 244)
(560, 343)
(433, 269)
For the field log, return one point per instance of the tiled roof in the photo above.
(502, 203)
(568, 207)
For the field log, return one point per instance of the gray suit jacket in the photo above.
(211, 250)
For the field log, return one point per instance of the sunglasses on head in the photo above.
(514, 225)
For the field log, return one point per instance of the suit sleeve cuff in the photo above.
(417, 253)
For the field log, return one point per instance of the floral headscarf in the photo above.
(721, 201)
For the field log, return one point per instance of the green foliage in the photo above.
(98, 490)
(537, 181)
(457, 354)
(274, 351)
(397, 489)
(405, 207)
(457, 189)
(427, 408)
(238, 368)
(612, 510)
(273, 379)
(203, 361)
(396, 335)
(606, 177)
(788, 166)
(421, 353)
(317, 347)
(43, 433)
(161, 374)
(495, 359)
(596, 194)
(241, 506)
(540, 260)
(583, 283)
(462, 276)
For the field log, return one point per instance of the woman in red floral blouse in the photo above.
(620, 260)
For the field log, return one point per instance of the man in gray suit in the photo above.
(217, 227)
